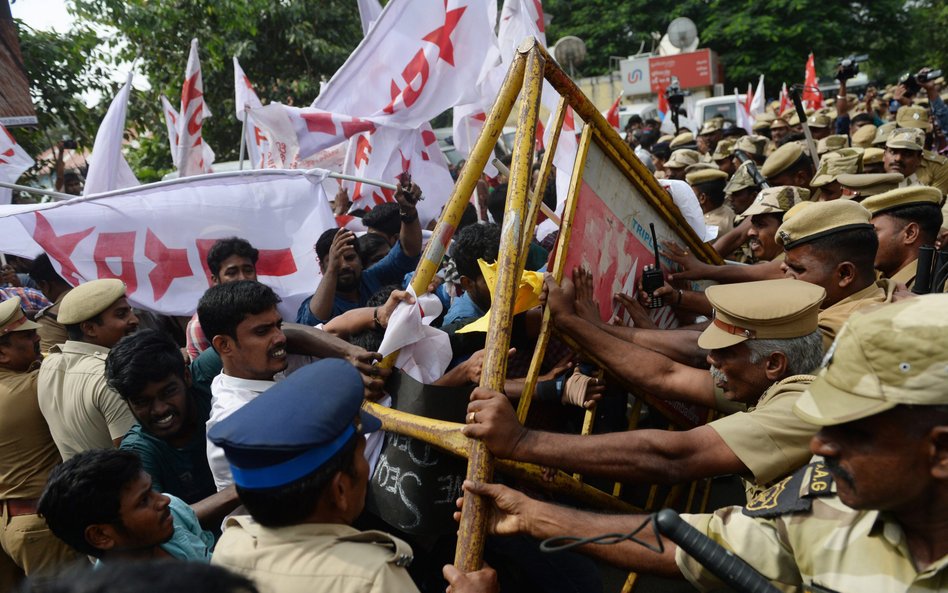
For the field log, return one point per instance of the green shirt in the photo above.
(183, 472)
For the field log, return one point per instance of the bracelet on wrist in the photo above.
(408, 217)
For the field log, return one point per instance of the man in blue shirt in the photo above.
(345, 285)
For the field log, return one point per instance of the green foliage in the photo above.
(285, 47)
(61, 68)
(771, 38)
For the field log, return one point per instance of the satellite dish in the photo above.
(682, 32)
(570, 51)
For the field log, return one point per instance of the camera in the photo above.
(913, 82)
(673, 94)
(849, 67)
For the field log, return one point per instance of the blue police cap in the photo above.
(293, 428)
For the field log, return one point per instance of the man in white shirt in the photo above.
(244, 326)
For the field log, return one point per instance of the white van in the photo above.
(643, 110)
(724, 105)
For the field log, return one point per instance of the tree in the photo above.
(285, 48)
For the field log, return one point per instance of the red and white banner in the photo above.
(108, 169)
(155, 238)
(759, 103)
(191, 156)
(13, 161)
(246, 99)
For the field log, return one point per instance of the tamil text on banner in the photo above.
(155, 238)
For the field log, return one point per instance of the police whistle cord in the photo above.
(733, 571)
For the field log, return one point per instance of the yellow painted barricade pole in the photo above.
(471, 535)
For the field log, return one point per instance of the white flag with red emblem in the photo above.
(246, 99)
(13, 161)
(417, 61)
(108, 168)
(171, 122)
(155, 238)
(191, 156)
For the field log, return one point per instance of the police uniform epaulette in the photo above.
(793, 494)
(46, 312)
(402, 554)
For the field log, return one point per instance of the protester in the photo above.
(102, 504)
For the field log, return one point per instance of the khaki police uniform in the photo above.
(722, 218)
(50, 330)
(833, 317)
(767, 438)
(314, 557)
(798, 534)
(933, 168)
(82, 411)
(27, 454)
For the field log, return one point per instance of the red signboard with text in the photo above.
(694, 69)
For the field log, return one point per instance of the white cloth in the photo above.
(108, 169)
(228, 394)
(684, 197)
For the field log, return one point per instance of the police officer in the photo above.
(762, 343)
(82, 411)
(299, 466)
(905, 219)
(27, 454)
(865, 519)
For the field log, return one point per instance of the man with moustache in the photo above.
(868, 516)
(245, 328)
(27, 455)
(761, 345)
(82, 411)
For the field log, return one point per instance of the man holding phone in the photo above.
(345, 285)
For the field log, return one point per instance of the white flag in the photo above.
(369, 11)
(13, 161)
(759, 102)
(246, 99)
(388, 152)
(108, 168)
(417, 61)
(155, 238)
(171, 121)
(191, 155)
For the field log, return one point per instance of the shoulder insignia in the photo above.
(401, 552)
(793, 494)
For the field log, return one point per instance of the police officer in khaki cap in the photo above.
(683, 140)
(820, 125)
(863, 137)
(82, 411)
(766, 214)
(831, 143)
(859, 186)
(681, 158)
(859, 519)
(708, 185)
(833, 245)
(832, 165)
(722, 155)
(905, 219)
(873, 161)
(754, 147)
(932, 168)
(788, 165)
(882, 133)
(778, 130)
(27, 455)
(763, 338)
(903, 153)
(741, 189)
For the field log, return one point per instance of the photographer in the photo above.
(939, 109)
(846, 69)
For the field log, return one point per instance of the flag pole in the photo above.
(35, 190)
(243, 140)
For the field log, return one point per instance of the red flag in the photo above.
(784, 99)
(811, 93)
(749, 98)
(612, 116)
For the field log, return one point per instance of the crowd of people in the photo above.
(140, 449)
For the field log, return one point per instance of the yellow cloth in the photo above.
(528, 294)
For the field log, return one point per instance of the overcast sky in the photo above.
(42, 14)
